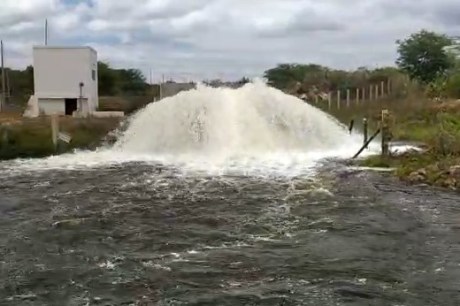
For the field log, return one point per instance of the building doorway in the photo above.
(70, 106)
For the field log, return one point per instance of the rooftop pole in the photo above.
(46, 32)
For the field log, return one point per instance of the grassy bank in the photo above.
(31, 138)
(436, 125)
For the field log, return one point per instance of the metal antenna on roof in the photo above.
(46, 32)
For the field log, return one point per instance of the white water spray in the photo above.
(255, 128)
(221, 122)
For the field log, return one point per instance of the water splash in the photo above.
(253, 129)
(253, 120)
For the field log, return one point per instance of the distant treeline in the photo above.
(120, 82)
(112, 82)
(308, 78)
(431, 61)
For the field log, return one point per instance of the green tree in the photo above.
(243, 80)
(106, 79)
(284, 75)
(288, 75)
(120, 81)
(311, 78)
(21, 82)
(423, 55)
(452, 86)
(131, 82)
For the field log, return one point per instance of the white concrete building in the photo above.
(65, 81)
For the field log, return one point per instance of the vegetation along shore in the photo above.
(421, 93)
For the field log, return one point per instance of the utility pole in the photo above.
(46, 32)
(151, 84)
(2, 102)
(8, 92)
(161, 86)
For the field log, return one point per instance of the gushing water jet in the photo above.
(253, 120)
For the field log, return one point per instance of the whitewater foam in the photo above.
(222, 123)
(253, 129)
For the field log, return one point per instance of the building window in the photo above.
(93, 75)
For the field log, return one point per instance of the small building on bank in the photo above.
(65, 81)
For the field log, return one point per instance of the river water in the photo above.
(224, 197)
(146, 234)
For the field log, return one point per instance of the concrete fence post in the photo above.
(357, 96)
(348, 97)
(54, 129)
(385, 132)
(338, 99)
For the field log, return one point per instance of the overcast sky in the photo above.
(198, 39)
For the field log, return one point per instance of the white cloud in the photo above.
(17, 11)
(230, 38)
(70, 19)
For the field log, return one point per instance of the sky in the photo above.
(206, 39)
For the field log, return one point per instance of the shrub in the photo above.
(452, 86)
